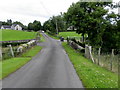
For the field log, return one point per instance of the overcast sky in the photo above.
(27, 11)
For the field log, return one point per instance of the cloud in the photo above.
(27, 11)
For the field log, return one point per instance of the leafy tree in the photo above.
(36, 26)
(61, 25)
(5, 23)
(87, 17)
(9, 22)
(111, 36)
(30, 26)
(54, 23)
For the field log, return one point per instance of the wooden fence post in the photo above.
(68, 40)
(11, 50)
(99, 56)
(90, 53)
(38, 36)
(86, 51)
(111, 59)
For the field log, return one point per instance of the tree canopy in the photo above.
(93, 19)
(55, 24)
(35, 26)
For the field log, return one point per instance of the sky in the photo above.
(27, 11)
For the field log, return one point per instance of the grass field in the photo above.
(92, 76)
(70, 34)
(11, 65)
(8, 35)
(65, 35)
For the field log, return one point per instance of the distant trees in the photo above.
(35, 26)
(10, 22)
(30, 26)
(55, 24)
(21, 24)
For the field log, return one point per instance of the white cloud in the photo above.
(27, 11)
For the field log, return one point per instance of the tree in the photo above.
(30, 26)
(36, 26)
(46, 25)
(21, 24)
(61, 24)
(111, 36)
(54, 24)
(9, 22)
(87, 17)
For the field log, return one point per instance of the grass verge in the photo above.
(32, 52)
(91, 75)
(11, 65)
(42, 38)
(54, 37)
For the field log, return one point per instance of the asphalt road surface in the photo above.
(50, 68)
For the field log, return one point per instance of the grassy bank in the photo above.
(42, 38)
(32, 52)
(91, 75)
(8, 35)
(11, 65)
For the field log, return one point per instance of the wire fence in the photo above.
(15, 51)
(108, 60)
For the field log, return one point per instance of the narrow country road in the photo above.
(50, 68)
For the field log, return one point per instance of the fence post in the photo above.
(86, 51)
(90, 53)
(38, 37)
(111, 59)
(11, 50)
(99, 56)
(68, 40)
